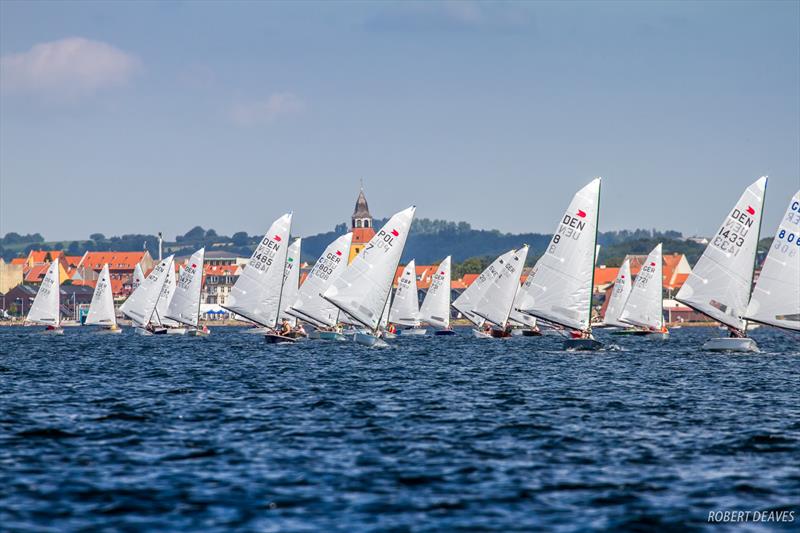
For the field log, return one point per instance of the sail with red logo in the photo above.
(435, 308)
(619, 295)
(185, 304)
(645, 307)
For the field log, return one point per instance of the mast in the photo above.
(755, 251)
(594, 254)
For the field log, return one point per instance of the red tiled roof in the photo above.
(220, 270)
(85, 282)
(19, 261)
(36, 273)
(604, 275)
(115, 260)
(362, 235)
(467, 279)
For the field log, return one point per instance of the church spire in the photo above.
(361, 216)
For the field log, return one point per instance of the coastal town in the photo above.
(21, 277)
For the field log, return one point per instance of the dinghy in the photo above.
(141, 304)
(291, 286)
(309, 305)
(404, 310)
(161, 323)
(435, 308)
(644, 307)
(138, 277)
(101, 309)
(363, 289)
(256, 295)
(619, 295)
(46, 307)
(776, 297)
(719, 284)
(559, 288)
(184, 307)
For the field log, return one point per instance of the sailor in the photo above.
(286, 328)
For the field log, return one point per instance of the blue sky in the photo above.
(138, 117)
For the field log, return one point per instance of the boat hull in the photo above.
(444, 332)
(478, 334)
(198, 333)
(412, 331)
(274, 338)
(531, 333)
(109, 331)
(582, 345)
(53, 331)
(327, 336)
(176, 331)
(368, 339)
(731, 344)
(147, 332)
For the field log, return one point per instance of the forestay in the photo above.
(363, 288)
(101, 309)
(45, 308)
(619, 295)
(256, 294)
(435, 309)
(141, 304)
(776, 296)
(496, 299)
(291, 280)
(645, 307)
(559, 289)
(719, 284)
(185, 304)
(405, 305)
(309, 304)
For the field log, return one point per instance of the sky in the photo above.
(141, 117)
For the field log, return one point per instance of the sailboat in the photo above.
(644, 308)
(364, 287)
(160, 319)
(46, 307)
(719, 285)
(488, 300)
(141, 304)
(383, 323)
(776, 297)
(184, 307)
(619, 295)
(291, 286)
(138, 277)
(435, 308)
(101, 309)
(309, 305)
(256, 295)
(559, 288)
(404, 310)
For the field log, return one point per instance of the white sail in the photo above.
(384, 321)
(291, 281)
(435, 308)
(45, 308)
(138, 277)
(363, 288)
(467, 301)
(257, 293)
(309, 304)
(645, 305)
(185, 304)
(162, 306)
(405, 305)
(515, 317)
(101, 310)
(495, 301)
(776, 296)
(141, 304)
(719, 285)
(619, 295)
(559, 289)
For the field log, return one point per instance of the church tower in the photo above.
(362, 226)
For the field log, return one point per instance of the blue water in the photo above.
(437, 433)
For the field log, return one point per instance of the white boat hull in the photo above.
(198, 333)
(368, 339)
(176, 331)
(731, 344)
(327, 336)
(480, 334)
(109, 331)
(412, 331)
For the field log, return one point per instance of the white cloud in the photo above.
(68, 68)
(267, 110)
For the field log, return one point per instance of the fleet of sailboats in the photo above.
(557, 291)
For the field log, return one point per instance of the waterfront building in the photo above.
(362, 226)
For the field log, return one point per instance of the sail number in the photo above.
(265, 254)
(733, 232)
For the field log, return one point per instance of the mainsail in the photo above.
(141, 304)
(719, 285)
(645, 305)
(619, 295)
(364, 287)
(138, 277)
(435, 309)
(468, 301)
(559, 289)
(162, 306)
(291, 281)
(405, 305)
(101, 310)
(256, 294)
(309, 304)
(185, 304)
(776, 296)
(45, 308)
(496, 299)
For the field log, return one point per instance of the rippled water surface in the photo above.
(436, 433)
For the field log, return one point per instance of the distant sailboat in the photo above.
(46, 307)
(141, 304)
(291, 281)
(101, 309)
(309, 305)
(619, 295)
(559, 289)
(404, 310)
(364, 287)
(435, 308)
(776, 297)
(138, 277)
(719, 285)
(256, 295)
(184, 308)
(160, 318)
(644, 307)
